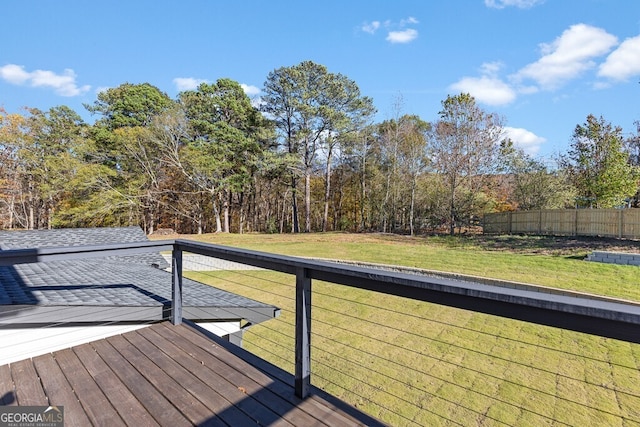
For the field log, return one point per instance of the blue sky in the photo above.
(544, 65)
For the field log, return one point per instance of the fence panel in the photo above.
(620, 223)
(527, 222)
(497, 223)
(598, 222)
(558, 222)
(630, 223)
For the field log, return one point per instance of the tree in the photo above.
(183, 199)
(44, 152)
(311, 107)
(402, 152)
(632, 146)
(413, 157)
(346, 112)
(389, 137)
(463, 147)
(598, 166)
(358, 154)
(125, 144)
(533, 184)
(225, 132)
(144, 171)
(130, 105)
(12, 171)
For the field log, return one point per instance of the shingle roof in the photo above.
(100, 289)
(28, 239)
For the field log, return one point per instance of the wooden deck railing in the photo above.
(573, 311)
(564, 309)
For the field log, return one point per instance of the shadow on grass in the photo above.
(571, 247)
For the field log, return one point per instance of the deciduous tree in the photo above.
(534, 185)
(463, 147)
(599, 166)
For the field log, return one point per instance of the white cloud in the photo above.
(370, 27)
(491, 68)
(188, 83)
(522, 4)
(568, 56)
(63, 84)
(486, 89)
(397, 31)
(524, 139)
(14, 74)
(409, 20)
(405, 36)
(624, 62)
(250, 90)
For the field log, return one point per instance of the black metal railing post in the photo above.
(303, 333)
(176, 285)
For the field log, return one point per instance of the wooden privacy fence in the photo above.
(620, 223)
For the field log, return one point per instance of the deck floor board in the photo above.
(8, 393)
(130, 409)
(154, 402)
(243, 389)
(96, 404)
(245, 393)
(57, 388)
(170, 376)
(321, 411)
(205, 383)
(27, 384)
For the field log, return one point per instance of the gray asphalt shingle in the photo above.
(87, 288)
(62, 237)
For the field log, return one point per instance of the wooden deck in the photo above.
(171, 376)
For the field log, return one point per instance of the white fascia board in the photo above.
(25, 343)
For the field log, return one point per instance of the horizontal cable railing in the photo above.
(412, 362)
(418, 350)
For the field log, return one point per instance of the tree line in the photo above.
(307, 156)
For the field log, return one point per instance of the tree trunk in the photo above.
(295, 226)
(32, 214)
(327, 191)
(50, 211)
(152, 217)
(225, 211)
(452, 212)
(242, 214)
(11, 208)
(283, 215)
(363, 194)
(385, 204)
(216, 214)
(413, 201)
(307, 200)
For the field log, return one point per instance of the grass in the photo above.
(546, 261)
(414, 363)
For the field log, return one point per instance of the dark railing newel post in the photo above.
(176, 285)
(303, 333)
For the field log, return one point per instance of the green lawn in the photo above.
(414, 363)
(522, 263)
